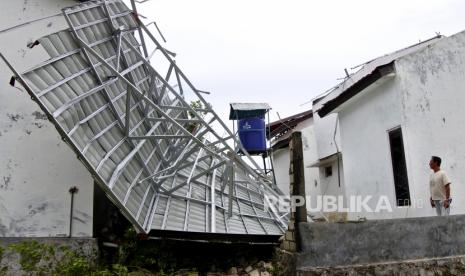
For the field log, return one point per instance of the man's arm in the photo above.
(446, 202)
(446, 183)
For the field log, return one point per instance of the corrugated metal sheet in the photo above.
(158, 183)
(250, 106)
(246, 110)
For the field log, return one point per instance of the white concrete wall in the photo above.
(332, 185)
(316, 183)
(36, 167)
(281, 161)
(309, 144)
(426, 99)
(432, 100)
(327, 132)
(365, 146)
(328, 139)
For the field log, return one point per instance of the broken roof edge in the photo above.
(356, 88)
(426, 42)
(282, 126)
(367, 69)
(281, 144)
(307, 113)
(214, 237)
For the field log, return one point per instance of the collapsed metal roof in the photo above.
(127, 115)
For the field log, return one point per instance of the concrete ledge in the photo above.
(7, 240)
(87, 246)
(340, 244)
(437, 266)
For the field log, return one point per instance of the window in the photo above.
(328, 171)
(399, 167)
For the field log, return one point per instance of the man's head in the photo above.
(435, 162)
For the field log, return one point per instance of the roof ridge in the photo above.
(399, 50)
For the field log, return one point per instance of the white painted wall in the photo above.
(328, 139)
(281, 160)
(316, 182)
(426, 99)
(365, 146)
(36, 167)
(327, 133)
(432, 85)
(309, 145)
(332, 185)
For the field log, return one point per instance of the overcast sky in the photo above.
(287, 52)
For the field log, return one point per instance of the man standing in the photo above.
(439, 185)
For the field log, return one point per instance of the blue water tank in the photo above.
(252, 134)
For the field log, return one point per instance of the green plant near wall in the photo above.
(193, 126)
(30, 254)
(50, 259)
(142, 257)
(72, 263)
(3, 269)
(38, 258)
(134, 257)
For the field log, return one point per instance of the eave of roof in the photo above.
(331, 100)
(325, 161)
(281, 144)
(282, 126)
(214, 237)
(356, 88)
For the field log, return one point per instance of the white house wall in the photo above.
(281, 161)
(36, 167)
(309, 145)
(328, 140)
(365, 146)
(325, 129)
(432, 83)
(426, 99)
(334, 184)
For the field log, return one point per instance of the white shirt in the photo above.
(437, 185)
